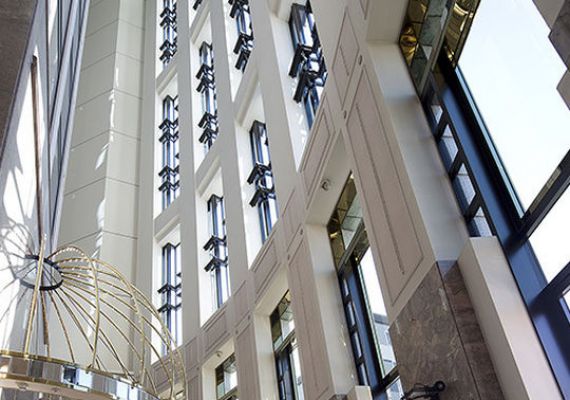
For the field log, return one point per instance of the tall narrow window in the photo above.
(207, 88)
(261, 177)
(244, 42)
(170, 185)
(218, 251)
(510, 174)
(171, 291)
(286, 350)
(168, 25)
(308, 64)
(361, 294)
(226, 380)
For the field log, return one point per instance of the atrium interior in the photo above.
(285, 199)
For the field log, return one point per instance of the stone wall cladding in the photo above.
(437, 337)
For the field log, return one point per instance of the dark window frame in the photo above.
(170, 290)
(283, 348)
(261, 176)
(231, 394)
(360, 323)
(244, 42)
(308, 64)
(169, 140)
(448, 102)
(216, 246)
(168, 24)
(207, 88)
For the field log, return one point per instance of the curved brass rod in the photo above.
(139, 299)
(145, 338)
(138, 311)
(104, 338)
(166, 332)
(81, 274)
(77, 282)
(65, 333)
(78, 325)
(130, 294)
(45, 322)
(129, 342)
(131, 345)
(30, 321)
(96, 282)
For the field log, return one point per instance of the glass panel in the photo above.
(395, 390)
(550, 240)
(377, 312)
(296, 371)
(512, 71)
(282, 322)
(226, 376)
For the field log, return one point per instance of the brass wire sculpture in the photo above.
(78, 310)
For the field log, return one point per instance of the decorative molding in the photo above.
(216, 329)
(345, 58)
(383, 197)
(292, 217)
(191, 352)
(240, 303)
(248, 376)
(317, 151)
(265, 267)
(317, 378)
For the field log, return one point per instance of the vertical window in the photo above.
(362, 299)
(261, 177)
(226, 380)
(502, 133)
(216, 246)
(207, 88)
(168, 25)
(171, 291)
(169, 173)
(286, 350)
(244, 42)
(308, 64)
(61, 23)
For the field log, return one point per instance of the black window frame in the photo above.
(220, 370)
(216, 246)
(308, 65)
(283, 348)
(168, 24)
(447, 102)
(261, 176)
(170, 291)
(207, 88)
(169, 140)
(361, 324)
(244, 42)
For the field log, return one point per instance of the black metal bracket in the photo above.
(421, 391)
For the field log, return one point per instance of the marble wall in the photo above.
(437, 337)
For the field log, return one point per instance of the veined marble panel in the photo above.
(436, 337)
